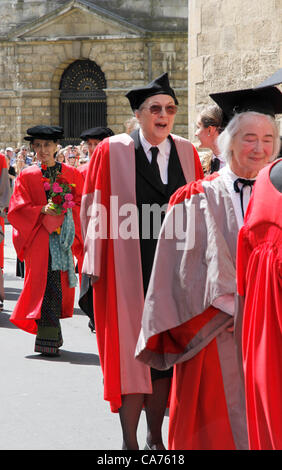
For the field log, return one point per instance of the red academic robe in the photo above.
(115, 264)
(259, 274)
(80, 251)
(31, 241)
(4, 200)
(181, 327)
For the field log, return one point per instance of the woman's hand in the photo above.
(48, 210)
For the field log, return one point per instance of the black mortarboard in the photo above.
(266, 100)
(159, 86)
(98, 133)
(44, 133)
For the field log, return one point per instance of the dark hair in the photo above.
(212, 116)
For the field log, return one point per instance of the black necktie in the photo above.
(215, 164)
(244, 183)
(154, 163)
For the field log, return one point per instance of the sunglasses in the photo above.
(157, 109)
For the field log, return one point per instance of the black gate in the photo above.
(82, 100)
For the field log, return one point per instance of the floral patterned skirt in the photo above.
(49, 336)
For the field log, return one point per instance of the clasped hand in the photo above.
(48, 210)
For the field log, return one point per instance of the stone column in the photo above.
(232, 45)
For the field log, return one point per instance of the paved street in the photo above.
(52, 403)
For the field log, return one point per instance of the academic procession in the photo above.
(153, 260)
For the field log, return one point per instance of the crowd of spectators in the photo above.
(22, 156)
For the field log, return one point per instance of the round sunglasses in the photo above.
(157, 109)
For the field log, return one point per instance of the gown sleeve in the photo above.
(25, 217)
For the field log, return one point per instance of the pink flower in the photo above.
(57, 188)
(68, 197)
(46, 186)
(68, 204)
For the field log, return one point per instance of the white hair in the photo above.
(225, 139)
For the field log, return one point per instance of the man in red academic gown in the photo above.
(93, 137)
(127, 188)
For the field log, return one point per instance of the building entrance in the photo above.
(83, 101)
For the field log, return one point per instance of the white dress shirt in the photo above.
(229, 178)
(163, 155)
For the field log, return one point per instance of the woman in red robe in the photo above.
(259, 273)
(48, 292)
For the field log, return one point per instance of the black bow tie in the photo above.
(244, 183)
(215, 164)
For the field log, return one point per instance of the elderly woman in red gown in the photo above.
(190, 304)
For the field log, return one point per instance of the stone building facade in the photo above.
(232, 45)
(63, 59)
(45, 43)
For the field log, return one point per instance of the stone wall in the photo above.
(30, 74)
(232, 45)
(17, 12)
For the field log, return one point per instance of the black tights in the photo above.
(155, 405)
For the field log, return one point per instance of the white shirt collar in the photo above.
(163, 155)
(231, 175)
(164, 146)
(229, 178)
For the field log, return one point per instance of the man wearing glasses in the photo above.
(127, 188)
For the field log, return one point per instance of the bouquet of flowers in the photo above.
(61, 198)
(61, 194)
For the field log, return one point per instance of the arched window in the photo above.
(82, 99)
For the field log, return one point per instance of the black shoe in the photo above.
(91, 326)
